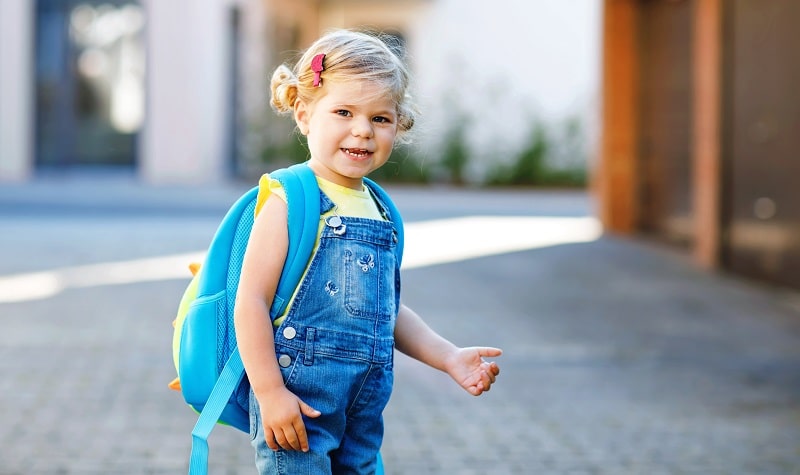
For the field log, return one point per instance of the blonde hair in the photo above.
(349, 55)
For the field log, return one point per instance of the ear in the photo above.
(302, 114)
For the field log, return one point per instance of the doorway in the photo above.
(89, 92)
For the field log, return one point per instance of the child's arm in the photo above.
(261, 270)
(466, 366)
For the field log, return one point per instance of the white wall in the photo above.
(16, 89)
(503, 63)
(186, 134)
(183, 136)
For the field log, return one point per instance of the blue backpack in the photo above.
(210, 370)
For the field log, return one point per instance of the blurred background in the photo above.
(680, 116)
(178, 92)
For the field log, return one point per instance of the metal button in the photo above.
(285, 361)
(333, 221)
(289, 333)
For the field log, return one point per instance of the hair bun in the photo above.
(284, 89)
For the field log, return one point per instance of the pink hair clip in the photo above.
(317, 67)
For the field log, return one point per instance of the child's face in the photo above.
(350, 129)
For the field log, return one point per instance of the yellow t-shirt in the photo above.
(347, 201)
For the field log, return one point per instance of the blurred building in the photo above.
(177, 90)
(155, 87)
(701, 130)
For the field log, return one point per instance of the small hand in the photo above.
(468, 368)
(283, 420)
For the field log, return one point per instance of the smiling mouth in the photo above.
(356, 152)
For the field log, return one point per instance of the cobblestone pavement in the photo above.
(620, 356)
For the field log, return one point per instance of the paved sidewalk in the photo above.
(620, 356)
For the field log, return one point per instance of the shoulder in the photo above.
(268, 186)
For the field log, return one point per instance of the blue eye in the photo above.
(382, 120)
(343, 112)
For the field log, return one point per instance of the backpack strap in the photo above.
(302, 197)
(394, 215)
(229, 379)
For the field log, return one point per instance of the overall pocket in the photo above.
(369, 282)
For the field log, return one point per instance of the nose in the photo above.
(362, 127)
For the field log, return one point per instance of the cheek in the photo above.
(387, 137)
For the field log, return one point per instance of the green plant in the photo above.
(534, 164)
(528, 168)
(455, 153)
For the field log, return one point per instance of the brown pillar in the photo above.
(707, 131)
(616, 175)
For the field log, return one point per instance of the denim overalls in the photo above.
(335, 349)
